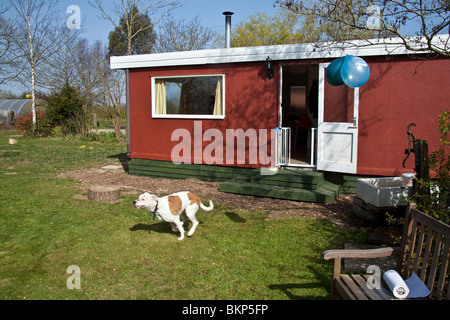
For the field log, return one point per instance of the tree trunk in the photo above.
(33, 81)
(117, 126)
(104, 193)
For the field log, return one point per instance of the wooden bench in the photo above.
(424, 249)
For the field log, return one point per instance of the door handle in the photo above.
(355, 123)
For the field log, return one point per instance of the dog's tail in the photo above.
(211, 206)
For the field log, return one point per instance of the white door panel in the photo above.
(337, 141)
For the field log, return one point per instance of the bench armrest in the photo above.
(338, 255)
(365, 253)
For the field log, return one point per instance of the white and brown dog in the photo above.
(170, 208)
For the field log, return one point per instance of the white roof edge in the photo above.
(371, 47)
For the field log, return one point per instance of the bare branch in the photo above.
(419, 24)
(10, 67)
(183, 35)
(156, 9)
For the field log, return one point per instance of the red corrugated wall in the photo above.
(251, 102)
(400, 90)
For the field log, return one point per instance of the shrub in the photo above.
(25, 124)
(104, 137)
(437, 202)
(65, 109)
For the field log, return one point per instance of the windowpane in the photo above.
(201, 95)
(173, 97)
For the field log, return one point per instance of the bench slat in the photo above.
(362, 282)
(356, 290)
(382, 294)
(420, 241)
(438, 226)
(426, 256)
(411, 246)
(343, 289)
(434, 264)
(443, 273)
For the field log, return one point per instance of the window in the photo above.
(200, 97)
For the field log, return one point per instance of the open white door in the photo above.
(337, 132)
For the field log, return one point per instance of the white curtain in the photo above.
(160, 97)
(218, 104)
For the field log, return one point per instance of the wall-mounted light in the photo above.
(269, 63)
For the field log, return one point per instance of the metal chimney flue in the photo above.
(228, 15)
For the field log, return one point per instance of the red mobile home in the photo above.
(188, 105)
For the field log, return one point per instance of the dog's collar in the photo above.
(154, 211)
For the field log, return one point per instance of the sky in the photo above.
(208, 11)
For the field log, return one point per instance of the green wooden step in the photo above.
(290, 178)
(241, 186)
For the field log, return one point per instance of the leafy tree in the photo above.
(285, 27)
(136, 37)
(261, 29)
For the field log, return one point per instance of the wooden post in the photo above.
(336, 275)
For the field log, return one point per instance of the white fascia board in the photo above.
(377, 47)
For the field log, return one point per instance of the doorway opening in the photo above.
(299, 111)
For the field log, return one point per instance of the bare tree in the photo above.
(157, 9)
(112, 92)
(114, 84)
(418, 25)
(183, 35)
(76, 64)
(89, 79)
(61, 67)
(38, 34)
(9, 56)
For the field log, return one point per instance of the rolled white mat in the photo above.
(396, 284)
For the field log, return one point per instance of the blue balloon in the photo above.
(354, 71)
(333, 72)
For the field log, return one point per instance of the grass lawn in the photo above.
(123, 253)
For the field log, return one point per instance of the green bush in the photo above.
(437, 202)
(104, 137)
(65, 109)
(25, 124)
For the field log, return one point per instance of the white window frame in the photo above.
(188, 116)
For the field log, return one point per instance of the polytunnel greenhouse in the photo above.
(10, 109)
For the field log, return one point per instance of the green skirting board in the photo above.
(170, 170)
(292, 184)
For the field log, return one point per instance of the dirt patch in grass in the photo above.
(6, 127)
(340, 212)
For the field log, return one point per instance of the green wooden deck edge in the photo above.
(170, 170)
(292, 184)
(241, 186)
